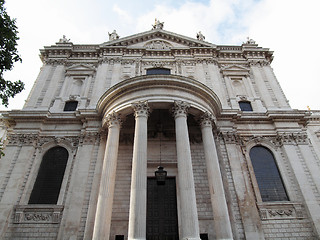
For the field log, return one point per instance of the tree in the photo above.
(8, 55)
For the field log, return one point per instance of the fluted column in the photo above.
(138, 194)
(188, 205)
(222, 223)
(105, 199)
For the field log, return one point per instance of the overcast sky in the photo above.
(290, 28)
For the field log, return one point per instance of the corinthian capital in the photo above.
(113, 119)
(206, 120)
(141, 109)
(180, 108)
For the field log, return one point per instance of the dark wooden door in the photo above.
(162, 218)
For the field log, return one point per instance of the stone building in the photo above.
(81, 156)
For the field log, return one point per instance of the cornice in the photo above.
(125, 47)
(275, 116)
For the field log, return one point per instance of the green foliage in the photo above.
(8, 55)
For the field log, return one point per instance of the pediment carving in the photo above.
(80, 70)
(166, 40)
(235, 70)
(158, 45)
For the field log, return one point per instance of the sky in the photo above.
(290, 28)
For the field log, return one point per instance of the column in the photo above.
(188, 205)
(219, 205)
(138, 194)
(106, 191)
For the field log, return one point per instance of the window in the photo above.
(245, 106)
(48, 183)
(119, 237)
(267, 174)
(204, 236)
(154, 71)
(70, 106)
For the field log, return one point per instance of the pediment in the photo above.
(235, 70)
(158, 40)
(80, 70)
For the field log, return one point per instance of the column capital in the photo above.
(113, 119)
(141, 109)
(206, 120)
(180, 109)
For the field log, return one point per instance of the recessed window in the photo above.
(119, 237)
(267, 174)
(204, 236)
(70, 106)
(49, 179)
(245, 106)
(155, 71)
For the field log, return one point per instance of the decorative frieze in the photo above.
(277, 140)
(38, 214)
(280, 211)
(22, 139)
(89, 137)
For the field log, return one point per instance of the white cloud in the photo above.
(122, 13)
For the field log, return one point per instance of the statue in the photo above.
(64, 39)
(200, 36)
(113, 35)
(250, 41)
(157, 24)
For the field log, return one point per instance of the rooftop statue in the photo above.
(250, 41)
(64, 39)
(200, 36)
(113, 35)
(157, 24)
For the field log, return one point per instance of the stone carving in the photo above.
(23, 139)
(74, 140)
(274, 211)
(250, 41)
(64, 39)
(113, 119)
(158, 45)
(157, 24)
(113, 36)
(200, 36)
(37, 214)
(141, 108)
(180, 108)
(206, 119)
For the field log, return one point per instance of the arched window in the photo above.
(70, 106)
(154, 71)
(267, 174)
(245, 106)
(48, 183)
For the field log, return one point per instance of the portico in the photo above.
(143, 95)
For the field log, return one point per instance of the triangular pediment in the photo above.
(80, 70)
(158, 40)
(235, 70)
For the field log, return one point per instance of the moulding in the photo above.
(37, 214)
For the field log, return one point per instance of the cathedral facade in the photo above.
(159, 136)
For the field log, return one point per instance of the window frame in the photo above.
(70, 101)
(158, 68)
(40, 184)
(279, 164)
(247, 102)
(279, 175)
(36, 167)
